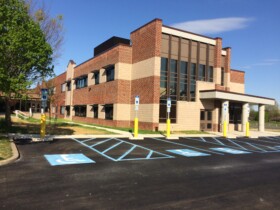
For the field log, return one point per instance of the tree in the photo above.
(51, 26)
(25, 54)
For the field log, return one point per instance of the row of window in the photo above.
(81, 111)
(82, 82)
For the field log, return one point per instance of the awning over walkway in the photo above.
(232, 96)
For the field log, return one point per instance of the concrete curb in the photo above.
(14, 157)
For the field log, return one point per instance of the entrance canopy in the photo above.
(238, 97)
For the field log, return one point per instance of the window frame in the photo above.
(110, 73)
(96, 76)
(79, 112)
(109, 116)
(81, 82)
(95, 112)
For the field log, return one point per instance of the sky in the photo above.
(250, 27)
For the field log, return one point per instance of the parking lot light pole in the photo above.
(168, 118)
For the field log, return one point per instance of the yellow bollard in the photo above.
(43, 126)
(135, 127)
(247, 129)
(225, 129)
(168, 128)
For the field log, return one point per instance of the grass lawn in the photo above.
(190, 132)
(32, 126)
(5, 148)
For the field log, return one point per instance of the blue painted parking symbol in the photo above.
(230, 151)
(67, 159)
(188, 152)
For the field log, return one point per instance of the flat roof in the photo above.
(238, 97)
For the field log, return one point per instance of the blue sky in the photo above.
(250, 27)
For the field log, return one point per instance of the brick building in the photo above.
(158, 62)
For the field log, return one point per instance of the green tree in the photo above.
(25, 55)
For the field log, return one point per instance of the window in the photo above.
(81, 82)
(183, 80)
(163, 78)
(201, 72)
(62, 110)
(210, 74)
(202, 115)
(52, 91)
(222, 76)
(173, 79)
(110, 73)
(67, 109)
(68, 85)
(80, 111)
(95, 111)
(96, 77)
(109, 110)
(63, 87)
(193, 82)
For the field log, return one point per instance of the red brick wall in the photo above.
(237, 76)
(147, 88)
(227, 60)
(120, 53)
(59, 97)
(117, 91)
(217, 55)
(146, 41)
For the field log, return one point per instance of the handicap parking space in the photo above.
(242, 144)
(98, 150)
(121, 150)
(117, 150)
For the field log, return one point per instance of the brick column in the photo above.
(217, 61)
(261, 117)
(245, 116)
(227, 68)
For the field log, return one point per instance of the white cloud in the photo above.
(265, 62)
(211, 26)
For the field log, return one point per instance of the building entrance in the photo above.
(206, 120)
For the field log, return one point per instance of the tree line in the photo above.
(30, 40)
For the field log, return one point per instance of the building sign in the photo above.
(137, 101)
(44, 97)
(168, 105)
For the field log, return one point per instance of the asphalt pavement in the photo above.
(154, 173)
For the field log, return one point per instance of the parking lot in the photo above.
(154, 173)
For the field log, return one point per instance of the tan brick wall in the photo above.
(237, 87)
(122, 112)
(70, 70)
(123, 71)
(217, 75)
(146, 113)
(146, 68)
(146, 41)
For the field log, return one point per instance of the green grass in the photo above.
(130, 130)
(268, 125)
(32, 126)
(5, 148)
(192, 132)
